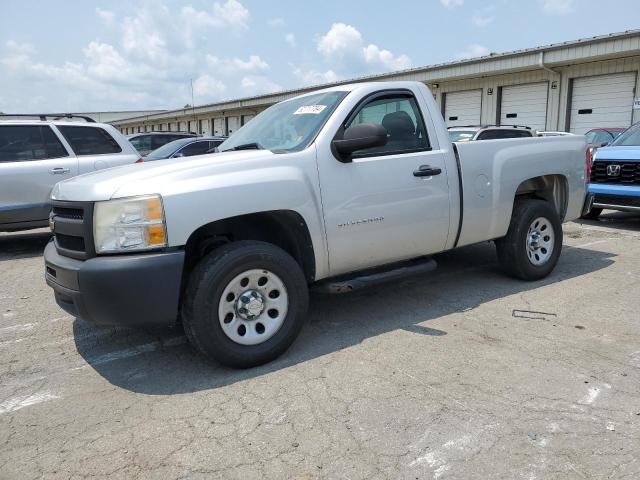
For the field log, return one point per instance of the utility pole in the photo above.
(193, 107)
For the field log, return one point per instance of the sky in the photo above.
(82, 55)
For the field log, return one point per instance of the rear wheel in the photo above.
(245, 303)
(592, 214)
(533, 243)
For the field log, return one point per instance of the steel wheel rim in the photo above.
(253, 307)
(540, 241)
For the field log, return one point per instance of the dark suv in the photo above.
(150, 141)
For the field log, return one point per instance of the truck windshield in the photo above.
(287, 126)
(629, 138)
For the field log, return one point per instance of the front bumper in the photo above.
(614, 197)
(130, 290)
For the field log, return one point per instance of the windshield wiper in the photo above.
(246, 146)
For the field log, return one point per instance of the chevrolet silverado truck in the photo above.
(615, 175)
(337, 188)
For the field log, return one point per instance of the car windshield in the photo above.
(287, 126)
(629, 138)
(461, 135)
(167, 149)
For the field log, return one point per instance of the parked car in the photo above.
(553, 134)
(489, 132)
(185, 147)
(36, 154)
(615, 175)
(338, 188)
(599, 137)
(145, 143)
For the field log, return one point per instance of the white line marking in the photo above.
(591, 396)
(11, 342)
(17, 403)
(588, 244)
(17, 328)
(131, 352)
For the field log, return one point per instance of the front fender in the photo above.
(287, 183)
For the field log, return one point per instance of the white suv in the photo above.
(37, 154)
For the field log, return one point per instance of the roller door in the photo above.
(524, 105)
(218, 126)
(601, 101)
(463, 108)
(233, 124)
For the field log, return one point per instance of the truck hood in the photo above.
(619, 153)
(150, 177)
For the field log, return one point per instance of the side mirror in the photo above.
(604, 144)
(359, 137)
(177, 155)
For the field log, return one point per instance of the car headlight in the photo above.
(129, 224)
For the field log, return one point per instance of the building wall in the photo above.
(558, 98)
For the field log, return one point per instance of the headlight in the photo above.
(129, 224)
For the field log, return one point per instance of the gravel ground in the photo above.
(460, 374)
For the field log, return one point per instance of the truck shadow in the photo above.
(160, 362)
(23, 244)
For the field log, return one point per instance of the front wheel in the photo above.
(533, 243)
(245, 304)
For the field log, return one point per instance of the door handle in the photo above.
(427, 171)
(59, 170)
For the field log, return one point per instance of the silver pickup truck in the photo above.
(337, 188)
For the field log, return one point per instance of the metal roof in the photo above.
(619, 44)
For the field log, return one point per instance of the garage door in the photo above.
(463, 108)
(524, 105)
(233, 124)
(601, 101)
(218, 126)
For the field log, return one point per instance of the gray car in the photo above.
(146, 143)
(37, 154)
(185, 147)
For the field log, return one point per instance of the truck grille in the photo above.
(73, 228)
(629, 173)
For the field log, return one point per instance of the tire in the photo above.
(519, 253)
(592, 214)
(223, 329)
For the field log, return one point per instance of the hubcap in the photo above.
(540, 241)
(253, 307)
(250, 305)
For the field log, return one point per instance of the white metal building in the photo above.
(572, 86)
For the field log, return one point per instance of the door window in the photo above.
(89, 140)
(400, 116)
(196, 148)
(19, 143)
(142, 143)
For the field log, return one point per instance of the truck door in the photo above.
(32, 161)
(390, 203)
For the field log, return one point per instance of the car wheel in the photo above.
(245, 303)
(533, 243)
(592, 214)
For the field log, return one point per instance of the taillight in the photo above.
(588, 155)
(140, 160)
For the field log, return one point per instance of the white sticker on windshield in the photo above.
(314, 109)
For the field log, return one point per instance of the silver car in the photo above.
(37, 154)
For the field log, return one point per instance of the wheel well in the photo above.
(284, 228)
(552, 188)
